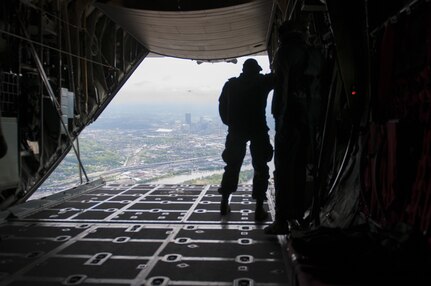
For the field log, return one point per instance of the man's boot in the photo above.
(279, 226)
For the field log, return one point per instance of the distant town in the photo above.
(131, 146)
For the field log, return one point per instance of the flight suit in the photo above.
(242, 105)
(290, 111)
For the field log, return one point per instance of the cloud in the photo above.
(171, 80)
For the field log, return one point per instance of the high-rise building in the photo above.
(189, 118)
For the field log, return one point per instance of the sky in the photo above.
(180, 82)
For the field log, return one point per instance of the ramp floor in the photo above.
(142, 235)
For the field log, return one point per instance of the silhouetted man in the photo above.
(289, 108)
(242, 105)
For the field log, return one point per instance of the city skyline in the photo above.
(165, 85)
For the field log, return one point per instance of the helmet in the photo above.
(251, 65)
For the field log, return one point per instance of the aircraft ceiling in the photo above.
(215, 31)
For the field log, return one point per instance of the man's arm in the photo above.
(268, 81)
(224, 104)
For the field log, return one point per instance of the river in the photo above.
(178, 179)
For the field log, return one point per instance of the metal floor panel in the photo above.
(143, 235)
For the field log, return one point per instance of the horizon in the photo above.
(184, 87)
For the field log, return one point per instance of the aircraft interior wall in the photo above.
(372, 142)
(47, 47)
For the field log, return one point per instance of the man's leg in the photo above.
(261, 153)
(300, 169)
(288, 177)
(280, 225)
(233, 156)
